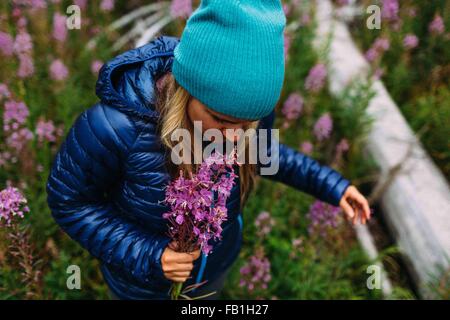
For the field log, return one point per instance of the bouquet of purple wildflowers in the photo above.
(198, 206)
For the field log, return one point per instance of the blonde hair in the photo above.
(172, 101)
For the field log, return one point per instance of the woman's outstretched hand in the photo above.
(355, 205)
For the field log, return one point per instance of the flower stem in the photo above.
(176, 290)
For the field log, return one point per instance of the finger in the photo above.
(174, 267)
(170, 258)
(183, 257)
(366, 217)
(367, 211)
(183, 267)
(359, 215)
(362, 216)
(355, 209)
(179, 274)
(196, 254)
(363, 202)
(348, 209)
(355, 217)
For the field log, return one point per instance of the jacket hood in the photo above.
(127, 81)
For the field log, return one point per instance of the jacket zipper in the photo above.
(205, 257)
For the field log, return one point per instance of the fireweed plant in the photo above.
(255, 274)
(198, 208)
(13, 207)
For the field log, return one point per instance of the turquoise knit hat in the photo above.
(231, 56)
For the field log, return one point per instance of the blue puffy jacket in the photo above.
(107, 180)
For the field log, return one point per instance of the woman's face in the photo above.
(211, 119)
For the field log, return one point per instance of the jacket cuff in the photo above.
(338, 191)
(156, 274)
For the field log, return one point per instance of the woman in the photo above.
(107, 181)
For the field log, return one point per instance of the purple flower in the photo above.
(379, 72)
(179, 219)
(38, 4)
(323, 127)
(293, 106)
(45, 130)
(15, 112)
(33, 4)
(22, 23)
(12, 204)
(107, 5)
(4, 91)
(181, 8)
(14, 116)
(81, 3)
(286, 9)
(255, 273)
(16, 12)
(305, 19)
(371, 55)
(379, 46)
(264, 223)
(26, 66)
(96, 66)
(23, 43)
(322, 217)
(58, 71)
(342, 146)
(6, 44)
(410, 41)
(306, 147)
(437, 26)
(316, 78)
(59, 27)
(18, 139)
(390, 10)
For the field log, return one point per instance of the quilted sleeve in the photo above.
(88, 163)
(302, 172)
